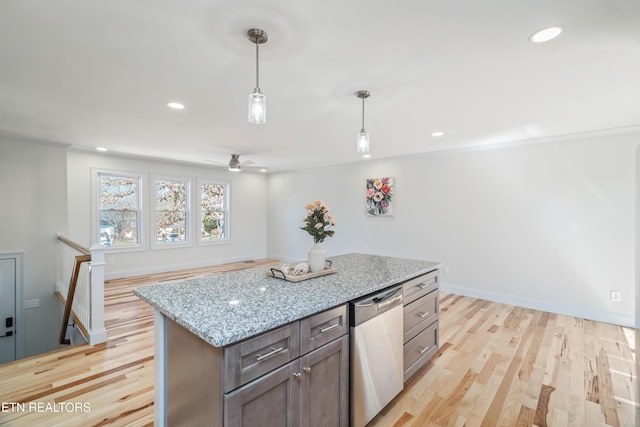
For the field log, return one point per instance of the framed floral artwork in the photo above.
(380, 196)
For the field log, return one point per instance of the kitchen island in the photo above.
(210, 331)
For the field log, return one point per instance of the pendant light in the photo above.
(362, 145)
(257, 100)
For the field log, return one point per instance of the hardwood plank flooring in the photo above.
(501, 365)
(112, 382)
(498, 365)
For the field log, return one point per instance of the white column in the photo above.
(97, 332)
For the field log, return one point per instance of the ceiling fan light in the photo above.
(363, 142)
(257, 107)
(234, 163)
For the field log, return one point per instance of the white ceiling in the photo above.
(99, 73)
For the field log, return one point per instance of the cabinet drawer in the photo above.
(322, 328)
(420, 314)
(420, 286)
(419, 350)
(247, 360)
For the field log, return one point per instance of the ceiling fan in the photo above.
(235, 165)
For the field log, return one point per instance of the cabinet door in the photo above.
(271, 400)
(324, 393)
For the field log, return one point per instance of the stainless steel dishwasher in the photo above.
(376, 353)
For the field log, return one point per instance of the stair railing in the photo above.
(80, 288)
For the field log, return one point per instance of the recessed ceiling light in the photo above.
(437, 133)
(264, 170)
(101, 149)
(546, 34)
(366, 156)
(175, 105)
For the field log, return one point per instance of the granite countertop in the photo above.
(227, 308)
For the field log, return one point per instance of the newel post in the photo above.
(97, 331)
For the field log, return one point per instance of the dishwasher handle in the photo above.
(374, 305)
(379, 298)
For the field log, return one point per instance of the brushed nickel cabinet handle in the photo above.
(307, 369)
(273, 352)
(424, 350)
(328, 328)
(297, 376)
(422, 314)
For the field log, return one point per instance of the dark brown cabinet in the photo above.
(324, 385)
(268, 401)
(421, 333)
(310, 390)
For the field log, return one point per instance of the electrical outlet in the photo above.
(110, 261)
(32, 303)
(446, 271)
(615, 296)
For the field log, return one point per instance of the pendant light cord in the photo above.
(362, 114)
(257, 65)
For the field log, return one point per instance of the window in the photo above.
(119, 209)
(214, 211)
(125, 217)
(171, 211)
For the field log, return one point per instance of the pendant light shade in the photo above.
(257, 100)
(363, 142)
(362, 145)
(257, 107)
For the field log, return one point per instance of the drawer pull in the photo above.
(422, 285)
(424, 350)
(273, 352)
(330, 327)
(307, 369)
(297, 376)
(422, 314)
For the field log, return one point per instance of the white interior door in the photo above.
(7, 310)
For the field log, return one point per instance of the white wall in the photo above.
(248, 217)
(34, 209)
(548, 226)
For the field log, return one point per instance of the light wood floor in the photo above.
(498, 365)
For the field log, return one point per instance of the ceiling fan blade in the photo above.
(215, 162)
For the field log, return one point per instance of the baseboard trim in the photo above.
(97, 336)
(284, 258)
(600, 316)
